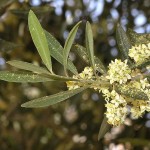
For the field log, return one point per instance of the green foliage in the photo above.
(48, 46)
(137, 38)
(68, 45)
(39, 39)
(82, 52)
(124, 43)
(28, 66)
(53, 99)
(89, 45)
(39, 70)
(20, 76)
(56, 51)
(104, 128)
(131, 92)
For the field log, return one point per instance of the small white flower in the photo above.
(118, 72)
(115, 115)
(87, 73)
(140, 53)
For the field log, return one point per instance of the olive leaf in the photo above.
(39, 39)
(104, 128)
(124, 44)
(81, 51)
(39, 70)
(28, 66)
(56, 51)
(131, 92)
(20, 76)
(147, 75)
(53, 99)
(143, 65)
(68, 44)
(89, 45)
(138, 38)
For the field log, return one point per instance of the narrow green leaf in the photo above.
(56, 51)
(81, 51)
(89, 44)
(60, 78)
(131, 92)
(99, 65)
(68, 44)
(39, 39)
(138, 38)
(147, 75)
(39, 70)
(143, 65)
(28, 66)
(19, 76)
(53, 99)
(124, 43)
(104, 128)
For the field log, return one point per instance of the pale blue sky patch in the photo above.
(95, 97)
(35, 2)
(116, 3)
(112, 41)
(69, 17)
(134, 12)
(65, 34)
(2, 61)
(98, 7)
(58, 4)
(140, 20)
(114, 52)
(148, 28)
(139, 29)
(70, 3)
(114, 13)
(78, 13)
(147, 124)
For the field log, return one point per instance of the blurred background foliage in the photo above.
(72, 124)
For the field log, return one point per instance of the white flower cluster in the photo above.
(117, 104)
(142, 85)
(139, 107)
(140, 53)
(118, 71)
(86, 74)
(116, 107)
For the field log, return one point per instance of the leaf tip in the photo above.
(23, 105)
(8, 62)
(26, 105)
(31, 11)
